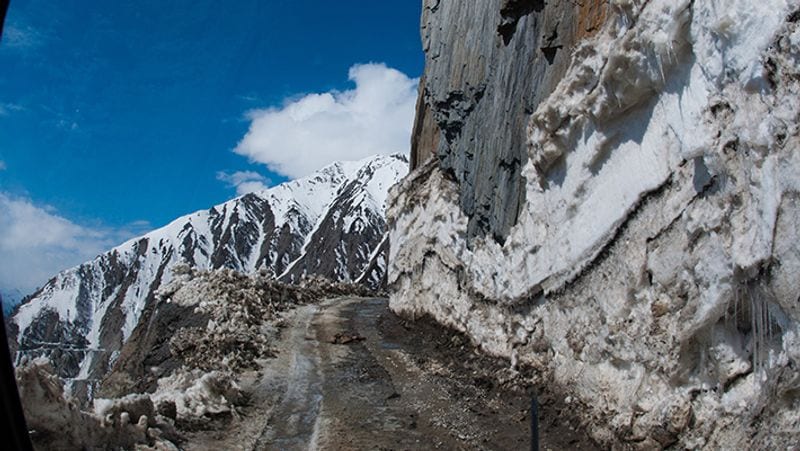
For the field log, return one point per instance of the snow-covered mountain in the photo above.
(329, 224)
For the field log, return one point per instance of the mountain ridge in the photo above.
(92, 309)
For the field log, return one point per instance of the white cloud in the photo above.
(36, 243)
(310, 132)
(2, 165)
(244, 181)
(7, 108)
(21, 37)
(64, 124)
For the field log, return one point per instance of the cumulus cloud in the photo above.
(308, 133)
(244, 181)
(36, 243)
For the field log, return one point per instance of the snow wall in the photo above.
(608, 193)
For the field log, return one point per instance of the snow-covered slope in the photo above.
(329, 224)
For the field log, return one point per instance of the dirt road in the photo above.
(350, 375)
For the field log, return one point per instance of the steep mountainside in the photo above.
(613, 201)
(329, 224)
(488, 65)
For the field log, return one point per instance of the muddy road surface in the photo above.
(350, 375)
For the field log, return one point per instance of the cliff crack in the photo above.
(511, 12)
(550, 47)
(452, 112)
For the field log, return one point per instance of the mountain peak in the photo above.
(330, 224)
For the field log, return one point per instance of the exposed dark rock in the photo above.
(511, 12)
(482, 58)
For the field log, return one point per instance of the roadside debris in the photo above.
(344, 338)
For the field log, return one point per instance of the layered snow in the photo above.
(661, 182)
(59, 423)
(197, 394)
(584, 178)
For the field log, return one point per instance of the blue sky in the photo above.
(117, 117)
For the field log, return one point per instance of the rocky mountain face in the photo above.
(607, 193)
(330, 224)
(482, 80)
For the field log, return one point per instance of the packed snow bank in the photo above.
(179, 373)
(653, 268)
(244, 315)
(141, 421)
(56, 422)
(197, 394)
(211, 321)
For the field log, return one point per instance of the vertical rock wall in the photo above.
(621, 217)
(482, 59)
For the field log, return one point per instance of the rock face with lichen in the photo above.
(608, 193)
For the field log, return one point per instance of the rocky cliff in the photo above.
(476, 94)
(330, 224)
(607, 194)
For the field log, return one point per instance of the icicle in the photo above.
(726, 315)
(767, 337)
(765, 328)
(762, 330)
(761, 343)
(753, 332)
(769, 324)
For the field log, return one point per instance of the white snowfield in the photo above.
(236, 234)
(662, 182)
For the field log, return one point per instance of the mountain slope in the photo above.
(329, 224)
